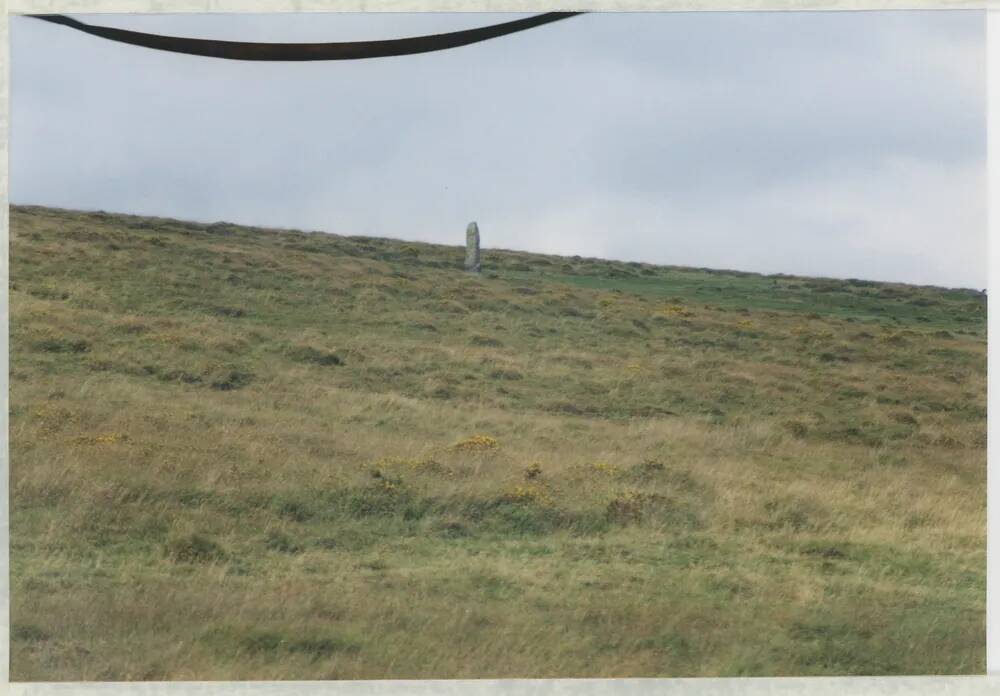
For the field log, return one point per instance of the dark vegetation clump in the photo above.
(62, 345)
(316, 356)
(506, 374)
(194, 548)
(28, 633)
(259, 642)
(292, 508)
(489, 341)
(279, 541)
(796, 428)
(231, 312)
(228, 380)
(384, 496)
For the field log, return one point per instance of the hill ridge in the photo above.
(146, 220)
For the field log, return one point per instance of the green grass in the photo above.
(852, 300)
(240, 453)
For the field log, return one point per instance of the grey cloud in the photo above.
(660, 137)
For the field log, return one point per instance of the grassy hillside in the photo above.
(257, 454)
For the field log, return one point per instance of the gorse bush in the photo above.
(476, 443)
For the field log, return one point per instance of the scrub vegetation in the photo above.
(240, 453)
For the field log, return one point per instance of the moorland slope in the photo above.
(241, 453)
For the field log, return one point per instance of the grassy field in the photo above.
(240, 453)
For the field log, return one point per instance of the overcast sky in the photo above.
(845, 144)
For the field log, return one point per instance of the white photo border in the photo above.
(819, 686)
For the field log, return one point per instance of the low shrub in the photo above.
(194, 548)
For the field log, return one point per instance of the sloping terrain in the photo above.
(240, 453)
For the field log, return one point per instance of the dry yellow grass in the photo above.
(340, 465)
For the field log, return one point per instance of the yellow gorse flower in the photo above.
(102, 439)
(605, 468)
(476, 443)
(389, 486)
(530, 493)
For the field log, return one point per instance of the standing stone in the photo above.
(472, 248)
